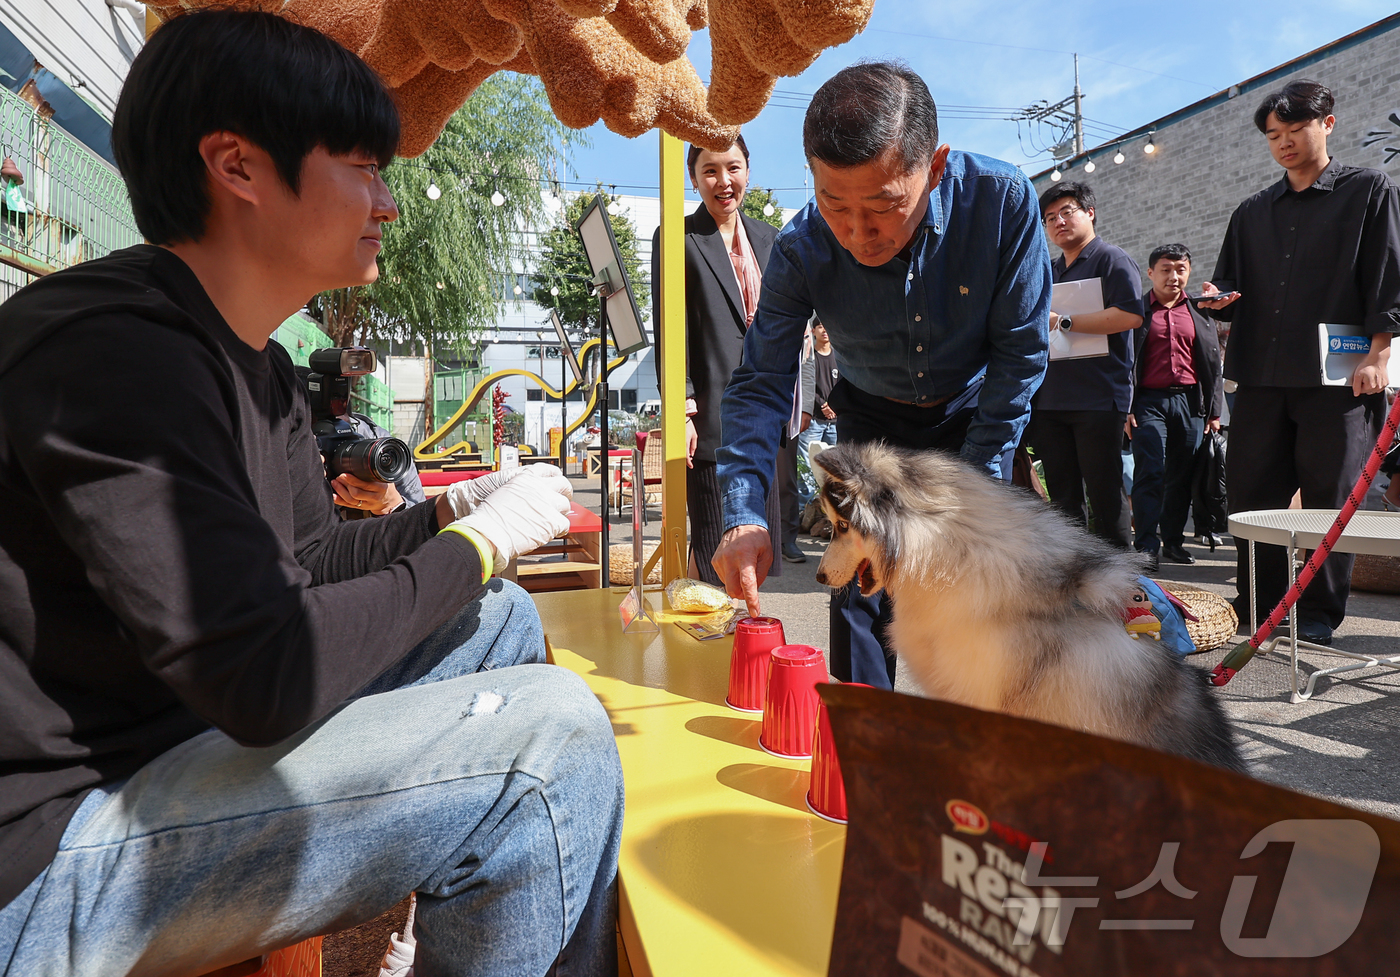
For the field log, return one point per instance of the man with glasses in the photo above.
(1077, 422)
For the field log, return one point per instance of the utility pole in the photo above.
(1067, 115)
(1078, 111)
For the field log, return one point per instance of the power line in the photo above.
(1042, 50)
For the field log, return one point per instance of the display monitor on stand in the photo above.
(617, 312)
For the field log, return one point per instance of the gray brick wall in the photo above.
(1207, 162)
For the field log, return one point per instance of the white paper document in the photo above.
(1340, 351)
(1072, 299)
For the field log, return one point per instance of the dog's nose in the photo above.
(821, 578)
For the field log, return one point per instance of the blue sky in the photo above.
(1138, 61)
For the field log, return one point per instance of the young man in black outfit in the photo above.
(1077, 417)
(1322, 245)
(1177, 397)
(229, 720)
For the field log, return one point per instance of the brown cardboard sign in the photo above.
(982, 844)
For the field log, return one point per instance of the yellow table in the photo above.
(723, 869)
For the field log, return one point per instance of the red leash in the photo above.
(1240, 655)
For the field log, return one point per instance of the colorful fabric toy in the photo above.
(1158, 614)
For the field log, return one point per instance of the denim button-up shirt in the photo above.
(973, 302)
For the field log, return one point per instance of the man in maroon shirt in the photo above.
(1178, 385)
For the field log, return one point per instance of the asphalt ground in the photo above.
(1342, 744)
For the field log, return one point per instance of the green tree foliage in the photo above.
(447, 262)
(563, 265)
(754, 200)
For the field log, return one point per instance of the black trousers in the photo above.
(1164, 459)
(707, 521)
(1082, 454)
(788, 495)
(1285, 439)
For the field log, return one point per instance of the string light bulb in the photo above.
(1090, 166)
(497, 198)
(441, 285)
(1118, 157)
(1151, 146)
(768, 210)
(554, 290)
(516, 290)
(1056, 176)
(433, 190)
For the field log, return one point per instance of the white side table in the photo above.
(1373, 533)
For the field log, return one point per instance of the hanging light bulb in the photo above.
(554, 290)
(768, 210)
(496, 198)
(433, 191)
(1151, 146)
(1056, 176)
(1090, 166)
(441, 285)
(516, 290)
(613, 207)
(1118, 157)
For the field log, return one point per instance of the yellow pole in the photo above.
(671, 369)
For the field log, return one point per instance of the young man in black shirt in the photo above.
(229, 720)
(1077, 417)
(1322, 245)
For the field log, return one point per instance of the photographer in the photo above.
(355, 494)
(230, 721)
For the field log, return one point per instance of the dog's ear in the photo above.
(862, 486)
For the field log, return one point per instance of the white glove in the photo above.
(523, 514)
(463, 496)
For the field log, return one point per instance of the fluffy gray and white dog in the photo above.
(1001, 603)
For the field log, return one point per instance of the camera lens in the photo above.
(372, 459)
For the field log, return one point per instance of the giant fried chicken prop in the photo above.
(622, 61)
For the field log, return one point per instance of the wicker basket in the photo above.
(1376, 574)
(620, 564)
(1216, 617)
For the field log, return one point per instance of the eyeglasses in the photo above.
(1062, 215)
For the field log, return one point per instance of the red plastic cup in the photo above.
(754, 641)
(826, 792)
(790, 708)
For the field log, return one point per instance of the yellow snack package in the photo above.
(689, 595)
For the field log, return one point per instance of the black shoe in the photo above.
(1151, 556)
(1315, 632)
(1177, 554)
(792, 554)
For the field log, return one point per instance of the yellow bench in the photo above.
(723, 869)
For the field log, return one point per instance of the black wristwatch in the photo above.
(1066, 323)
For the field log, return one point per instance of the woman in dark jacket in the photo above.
(725, 254)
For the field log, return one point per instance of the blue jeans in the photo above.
(819, 430)
(1164, 459)
(471, 773)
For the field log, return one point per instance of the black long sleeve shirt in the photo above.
(169, 558)
(1327, 253)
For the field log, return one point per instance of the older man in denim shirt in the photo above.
(933, 279)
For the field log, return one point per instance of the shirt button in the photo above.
(920, 375)
(918, 318)
(918, 349)
(911, 276)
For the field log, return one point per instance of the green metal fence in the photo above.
(450, 388)
(72, 205)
